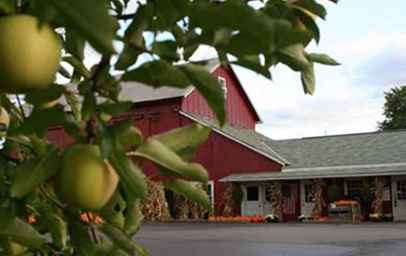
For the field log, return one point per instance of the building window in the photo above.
(223, 83)
(309, 193)
(401, 190)
(268, 193)
(354, 188)
(210, 191)
(252, 193)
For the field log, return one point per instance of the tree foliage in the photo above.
(153, 45)
(394, 109)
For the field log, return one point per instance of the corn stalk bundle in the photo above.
(320, 203)
(276, 188)
(181, 207)
(155, 207)
(377, 204)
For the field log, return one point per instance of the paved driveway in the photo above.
(209, 239)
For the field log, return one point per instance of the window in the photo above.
(286, 190)
(309, 193)
(268, 193)
(401, 189)
(354, 188)
(223, 82)
(252, 193)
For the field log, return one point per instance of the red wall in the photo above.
(238, 109)
(219, 155)
(150, 117)
(222, 157)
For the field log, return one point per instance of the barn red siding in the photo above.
(238, 108)
(150, 117)
(222, 157)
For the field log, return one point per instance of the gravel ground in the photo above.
(198, 239)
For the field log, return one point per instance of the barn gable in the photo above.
(240, 110)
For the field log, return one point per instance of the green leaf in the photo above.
(294, 57)
(115, 108)
(21, 232)
(57, 227)
(134, 218)
(322, 59)
(90, 19)
(75, 44)
(208, 87)
(7, 6)
(131, 176)
(309, 80)
(41, 119)
(253, 63)
(127, 58)
(122, 240)
(89, 106)
(189, 190)
(158, 73)
(185, 140)
(166, 14)
(127, 134)
(78, 66)
(134, 33)
(42, 98)
(312, 6)
(163, 156)
(166, 49)
(106, 140)
(32, 173)
(74, 104)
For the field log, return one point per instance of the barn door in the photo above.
(252, 203)
(307, 197)
(290, 201)
(399, 198)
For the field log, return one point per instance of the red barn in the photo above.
(237, 153)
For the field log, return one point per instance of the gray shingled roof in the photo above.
(351, 155)
(343, 150)
(138, 92)
(248, 137)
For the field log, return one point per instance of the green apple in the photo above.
(29, 54)
(85, 180)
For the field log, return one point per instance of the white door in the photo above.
(267, 199)
(252, 203)
(306, 198)
(399, 198)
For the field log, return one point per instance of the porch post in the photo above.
(276, 188)
(320, 203)
(377, 204)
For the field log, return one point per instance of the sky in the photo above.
(369, 39)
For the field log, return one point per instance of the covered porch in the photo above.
(307, 193)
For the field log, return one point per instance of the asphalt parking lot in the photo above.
(213, 239)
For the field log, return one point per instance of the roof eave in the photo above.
(280, 162)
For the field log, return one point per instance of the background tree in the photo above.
(45, 190)
(394, 109)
